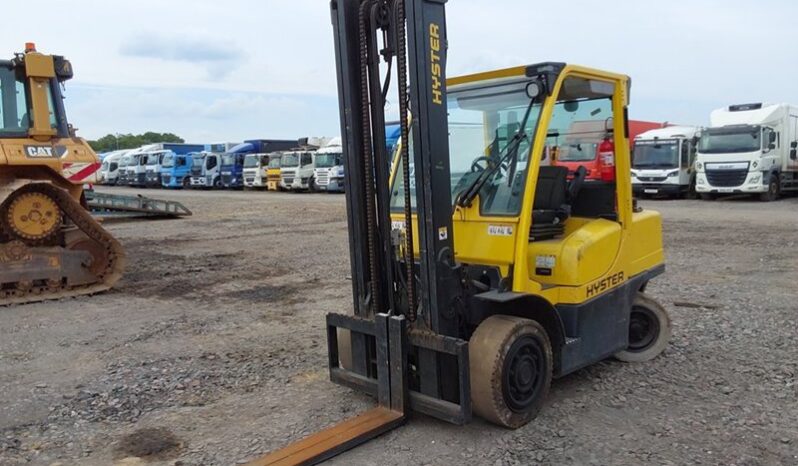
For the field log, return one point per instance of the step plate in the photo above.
(329, 442)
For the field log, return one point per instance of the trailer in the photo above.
(749, 149)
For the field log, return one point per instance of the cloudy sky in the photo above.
(238, 69)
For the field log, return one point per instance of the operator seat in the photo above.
(551, 207)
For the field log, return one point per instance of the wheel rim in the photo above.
(643, 329)
(523, 374)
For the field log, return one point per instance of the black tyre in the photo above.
(691, 194)
(186, 182)
(649, 330)
(511, 370)
(773, 192)
(312, 185)
(217, 183)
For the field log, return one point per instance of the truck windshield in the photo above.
(583, 152)
(251, 162)
(198, 162)
(289, 160)
(275, 162)
(229, 159)
(724, 141)
(656, 154)
(14, 118)
(328, 160)
(168, 161)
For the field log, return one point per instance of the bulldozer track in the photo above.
(108, 274)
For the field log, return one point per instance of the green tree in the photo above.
(111, 142)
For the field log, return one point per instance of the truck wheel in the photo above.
(217, 183)
(511, 370)
(186, 183)
(773, 191)
(649, 330)
(691, 194)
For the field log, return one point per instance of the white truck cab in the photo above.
(749, 149)
(329, 171)
(255, 170)
(297, 170)
(152, 170)
(663, 161)
(109, 171)
(206, 170)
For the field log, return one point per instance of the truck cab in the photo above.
(206, 170)
(274, 172)
(176, 170)
(109, 171)
(663, 162)
(153, 168)
(571, 150)
(254, 172)
(296, 170)
(749, 149)
(329, 171)
(137, 170)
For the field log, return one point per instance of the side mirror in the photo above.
(773, 138)
(794, 144)
(794, 154)
(771, 146)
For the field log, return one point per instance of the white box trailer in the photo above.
(749, 149)
(663, 161)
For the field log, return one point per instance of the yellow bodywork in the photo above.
(273, 176)
(594, 255)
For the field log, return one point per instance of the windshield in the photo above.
(168, 161)
(251, 162)
(745, 139)
(656, 154)
(328, 160)
(289, 160)
(490, 134)
(198, 161)
(14, 118)
(229, 159)
(274, 162)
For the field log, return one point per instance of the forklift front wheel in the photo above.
(511, 370)
(649, 330)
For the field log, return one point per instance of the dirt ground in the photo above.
(212, 350)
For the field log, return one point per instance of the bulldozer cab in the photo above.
(536, 228)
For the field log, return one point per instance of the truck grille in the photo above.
(288, 181)
(727, 178)
(652, 179)
(227, 179)
(249, 180)
(166, 179)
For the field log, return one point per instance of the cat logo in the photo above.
(39, 152)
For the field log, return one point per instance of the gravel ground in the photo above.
(211, 351)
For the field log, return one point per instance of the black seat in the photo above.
(551, 207)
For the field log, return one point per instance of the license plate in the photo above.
(651, 191)
(725, 190)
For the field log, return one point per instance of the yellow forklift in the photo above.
(50, 245)
(488, 273)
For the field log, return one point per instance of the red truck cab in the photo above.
(593, 149)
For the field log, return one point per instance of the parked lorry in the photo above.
(329, 171)
(152, 170)
(176, 170)
(296, 171)
(206, 170)
(749, 149)
(232, 169)
(588, 144)
(109, 171)
(255, 170)
(663, 161)
(274, 174)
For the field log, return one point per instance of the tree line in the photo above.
(111, 142)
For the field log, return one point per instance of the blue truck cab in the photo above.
(176, 170)
(232, 169)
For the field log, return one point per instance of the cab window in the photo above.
(306, 160)
(14, 117)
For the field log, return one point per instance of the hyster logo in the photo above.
(39, 151)
(435, 63)
(605, 284)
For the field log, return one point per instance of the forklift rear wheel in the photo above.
(511, 370)
(649, 330)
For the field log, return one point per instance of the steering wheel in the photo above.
(576, 183)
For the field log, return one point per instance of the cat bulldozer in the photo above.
(50, 245)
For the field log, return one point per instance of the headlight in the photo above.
(673, 173)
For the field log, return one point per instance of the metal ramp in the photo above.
(115, 206)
